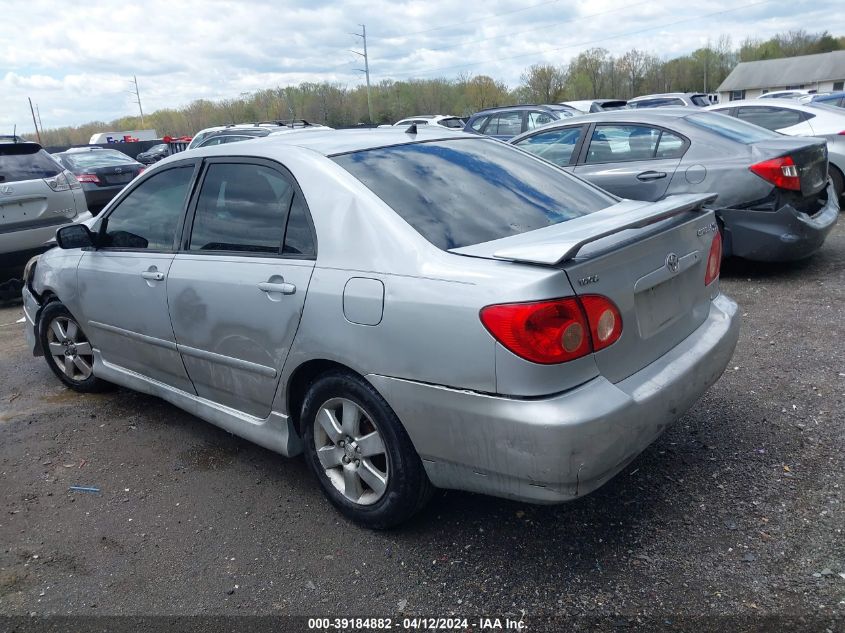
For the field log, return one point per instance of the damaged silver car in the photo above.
(409, 309)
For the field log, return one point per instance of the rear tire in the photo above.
(67, 350)
(360, 453)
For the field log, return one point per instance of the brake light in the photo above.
(141, 171)
(62, 181)
(714, 260)
(554, 331)
(88, 178)
(781, 172)
(604, 319)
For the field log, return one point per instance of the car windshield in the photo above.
(731, 128)
(25, 161)
(462, 192)
(95, 159)
(657, 102)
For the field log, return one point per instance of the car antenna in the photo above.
(412, 129)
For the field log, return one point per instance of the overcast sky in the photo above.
(76, 60)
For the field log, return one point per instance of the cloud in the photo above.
(77, 64)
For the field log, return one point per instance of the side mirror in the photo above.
(74, 236)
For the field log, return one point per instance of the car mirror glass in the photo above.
(74, 236)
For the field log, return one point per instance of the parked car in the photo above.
(102, 172)
(651, 154)
(596, 105)
(836, 99)
(233, 135)
(508, 121)
(471, 350)
(37, 195)
(786, 94)
(684, 99)
(240, 127)
(451, 122)
(154, 154)
(793, 118)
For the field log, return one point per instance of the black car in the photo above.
(102, 172)
(508, 121)
(154, 154)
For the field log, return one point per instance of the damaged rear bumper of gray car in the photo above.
(553, 449)
(785, 234)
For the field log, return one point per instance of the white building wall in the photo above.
(753, 93)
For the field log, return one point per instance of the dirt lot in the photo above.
(736, 511)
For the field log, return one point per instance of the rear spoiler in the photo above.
(561, 242)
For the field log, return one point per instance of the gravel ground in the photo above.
(734, 516)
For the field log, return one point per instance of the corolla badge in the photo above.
(672, 262)
(6, 190)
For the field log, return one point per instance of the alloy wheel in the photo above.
(69, 348)
(351, 451)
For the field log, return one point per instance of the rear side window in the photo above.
(461, 192)
(504, 124)
(770, 117)
(556, 146)
(147, 218)
(242, 208)
(730, 128)
(26, 163)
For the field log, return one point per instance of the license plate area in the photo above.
(661, 305)
(118, 179)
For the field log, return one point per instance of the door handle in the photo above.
(152, 275)
(282, 287)
(651, 175)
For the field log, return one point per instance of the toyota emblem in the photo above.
(672, 262)
(118, 170)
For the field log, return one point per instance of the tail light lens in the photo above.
(88, 178)
(62, 181)
(555, 331)
(714, 260)
(781, 172)
(604, 319)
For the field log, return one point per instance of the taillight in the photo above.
(554, 331)
(141, 171)
(604, 319)
(88, 178)
(62, 181)
(781, 172)
(714, 259)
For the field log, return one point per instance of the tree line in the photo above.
(593, 73)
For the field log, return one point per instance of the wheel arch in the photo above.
(302, 377)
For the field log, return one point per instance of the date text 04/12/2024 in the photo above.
(417, 624)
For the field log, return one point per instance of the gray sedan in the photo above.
(521, 333)
(775, 202)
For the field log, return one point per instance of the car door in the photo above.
(631, 160)
(783, 120)
(559, 146)
(122, 284)
(237, 287)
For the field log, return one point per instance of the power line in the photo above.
(587, 43)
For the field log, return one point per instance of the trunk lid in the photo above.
(648, 258)
(116, 174)
(808, 154)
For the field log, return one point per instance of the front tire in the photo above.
(838, 182)
(67, 350)
(360, 453)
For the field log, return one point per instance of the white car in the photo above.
(200, 136)
(448, 121)
(785, 94)
(793, 118)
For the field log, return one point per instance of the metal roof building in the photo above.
(821, 72)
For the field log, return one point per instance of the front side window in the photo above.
(556, 146)
(536, 119)
(460, 192)
(147, 218)
(616, 143)
(241, 208)
(504, 124)
(770, 117)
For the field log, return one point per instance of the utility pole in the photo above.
(137, 94)
(34, 122)
(38, 113)
(366, 69)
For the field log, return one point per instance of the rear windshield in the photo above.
(657, 103)
(460, 192)
(731, 128)
(16, 166)
(700, 100)
(93, 160)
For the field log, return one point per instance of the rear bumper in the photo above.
(554, 449)
(22, 244)
(782, 235)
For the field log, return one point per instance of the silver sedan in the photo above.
(410, 310)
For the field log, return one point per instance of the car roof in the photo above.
(333, 142)
(648, 115)
(780, 103)
(524, 106)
